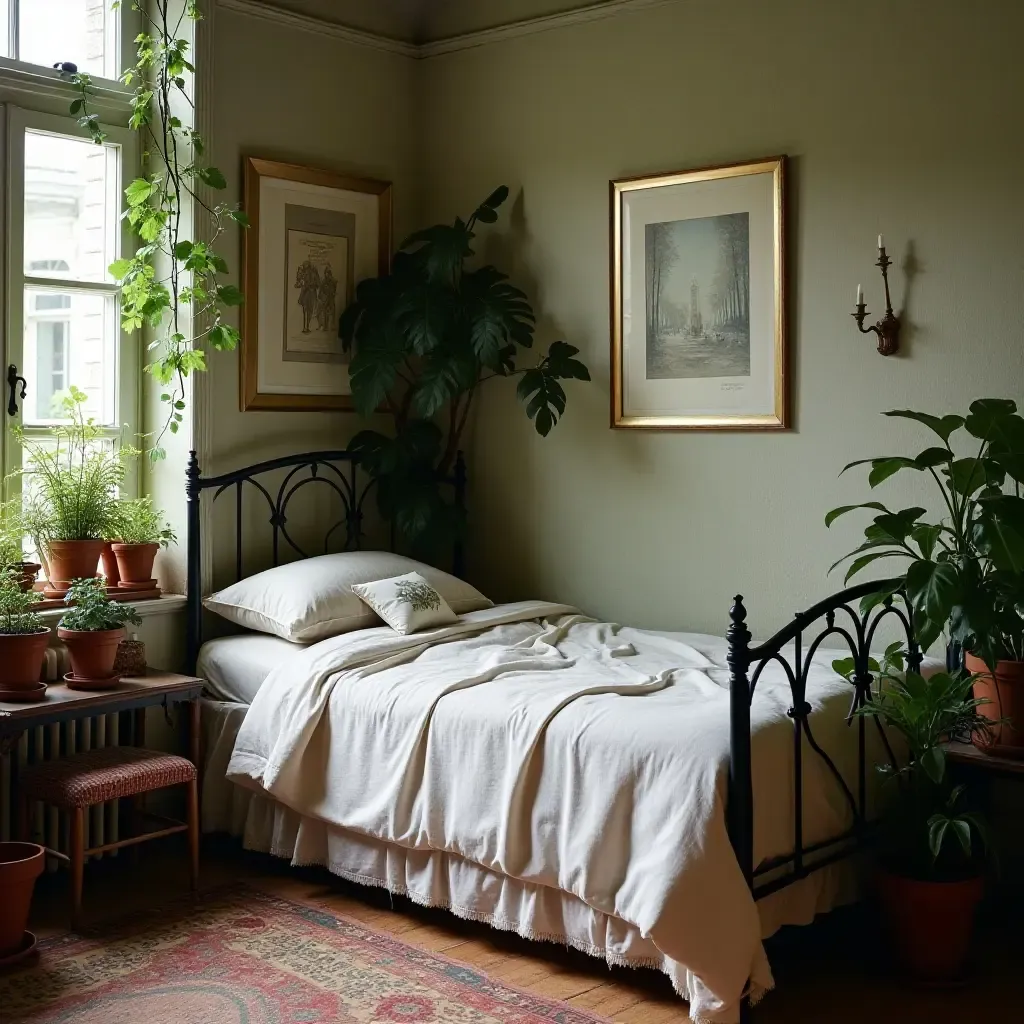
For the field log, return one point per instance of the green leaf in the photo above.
(440, 250)
(239, 217)
(119, 269)
(994, 419)
(882, 469)
(962, 830)
(229, 295)
(183, 250)
(865, 560)
(212, 177)
(544, 398)
(938, 826)
(138, 191)
(897, 525)
(560, 362)
(871, 601)
(426, 317)
(944, 426)
(999, 531)
(925, 537)
(933, 587)
(933, 761)
(932, 457)
(843, 509)
(497, 197)
(967, 476)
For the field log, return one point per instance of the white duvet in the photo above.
(556, 750)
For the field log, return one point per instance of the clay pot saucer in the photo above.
(109, 682)
(26, 695)
(23, 952)
(138, 585)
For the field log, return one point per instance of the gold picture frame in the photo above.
(327, 220)
(715, 357)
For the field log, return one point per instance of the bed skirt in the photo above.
(436, 878)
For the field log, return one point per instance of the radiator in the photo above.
(43, 743)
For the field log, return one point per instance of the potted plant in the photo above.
(12, 540)
(72, 477)
(933, 846)
(20, 865)
(965, 572)
(138, 532)
(23, 640)
(92, 628)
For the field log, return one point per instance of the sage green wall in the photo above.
(287, 94)
(898, 117)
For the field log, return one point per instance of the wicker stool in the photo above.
(78, 782)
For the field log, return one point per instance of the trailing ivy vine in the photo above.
(168, 271)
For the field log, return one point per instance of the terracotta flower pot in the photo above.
(72, 560)
(21, 658)
(92, 652)
(20, 865)
(135, 561)
(28, 572)
(111, 573)
(1005, 691)
(931, 923)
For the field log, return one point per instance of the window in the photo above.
(63, 327)
(48, 32)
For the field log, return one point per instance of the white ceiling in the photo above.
(423, 21)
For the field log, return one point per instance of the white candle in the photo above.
(860, 295)
(881, 243)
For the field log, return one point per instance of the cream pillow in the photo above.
(312, 599)
(406, 603)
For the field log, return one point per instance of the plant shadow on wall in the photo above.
(424, 339)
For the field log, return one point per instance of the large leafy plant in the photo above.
(136, 521)
(92, 611)
(168, 270)
(425, 337)
(965, 571)
(930, 831)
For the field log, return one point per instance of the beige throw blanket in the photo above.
(557, 750)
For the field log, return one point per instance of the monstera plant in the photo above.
(424, 338)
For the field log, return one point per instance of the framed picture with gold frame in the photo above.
(698, 299)
(313, 235)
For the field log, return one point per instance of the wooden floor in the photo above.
(831, 973)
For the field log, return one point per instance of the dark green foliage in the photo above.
(966, 572)
(931, 832)
(424, 338)
(92, 611)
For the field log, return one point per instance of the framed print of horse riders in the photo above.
(313, 236)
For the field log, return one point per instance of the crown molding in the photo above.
(484, 37)
(531, 26)
(290, 19)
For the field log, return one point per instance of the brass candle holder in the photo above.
(888, 328)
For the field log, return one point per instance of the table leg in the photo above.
(139, 727)
(194, 732)
(77, 853)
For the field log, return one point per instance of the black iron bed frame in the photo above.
(339, 471)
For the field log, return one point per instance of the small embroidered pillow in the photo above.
(406, 603)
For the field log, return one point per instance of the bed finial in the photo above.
(738, 612)
(192, 475)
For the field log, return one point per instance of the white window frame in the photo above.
(118, 52)
(128, 347)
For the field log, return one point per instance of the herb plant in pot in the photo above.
(965, 572)
(92, 628)
(23, 641)
(933, 846)
(138, 534)
(12, 539)
(72, 477)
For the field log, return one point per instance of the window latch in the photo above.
(12, 382)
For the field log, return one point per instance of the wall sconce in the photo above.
(888, 328)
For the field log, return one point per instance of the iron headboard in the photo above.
(337, 470)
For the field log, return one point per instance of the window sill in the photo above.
(36, 87)
(169, 604)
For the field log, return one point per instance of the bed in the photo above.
(570, 780)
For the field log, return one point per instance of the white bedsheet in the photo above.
(235, 667)
(560, 752)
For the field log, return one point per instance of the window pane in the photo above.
(5, 20)
(70, 339)
(53, 31)
(70, 212)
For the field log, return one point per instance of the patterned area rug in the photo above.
(240, 956)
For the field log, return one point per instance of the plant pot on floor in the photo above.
(92, 654)
(69, 560)
(21, 665)
(932, 923)
(20, 865)
(111, 573)
(135, 564)
(1005, 693)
